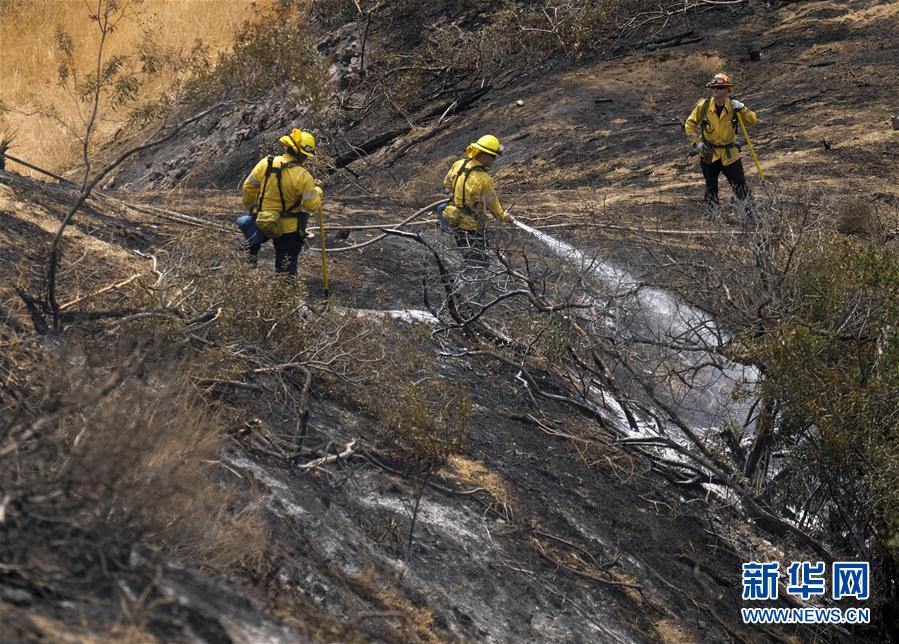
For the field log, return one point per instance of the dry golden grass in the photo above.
(476, 473)
(412, 624)
(425, 185)
(672, 632)
(141, 461)
(29, 59)
(150, 459)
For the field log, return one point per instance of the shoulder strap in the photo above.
(280, 189)
(268, 172)
(464, 175)
(704, 116)
(271, 169)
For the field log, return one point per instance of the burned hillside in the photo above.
(582, 440)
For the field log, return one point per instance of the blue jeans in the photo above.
(253, 237)
(441, 221)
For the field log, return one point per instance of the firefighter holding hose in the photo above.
(473, 199)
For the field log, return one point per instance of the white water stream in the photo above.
(706, 396)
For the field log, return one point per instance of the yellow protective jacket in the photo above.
(300, 191)
(720, 132)
(474, 195)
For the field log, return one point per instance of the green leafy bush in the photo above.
(831, 368)
(273, 51)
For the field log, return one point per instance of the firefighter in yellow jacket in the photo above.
(280, 189)
(473, 197)
(712, 129)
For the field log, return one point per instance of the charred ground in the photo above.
(544, 527)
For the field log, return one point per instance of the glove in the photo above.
(702, 148)
(737, 105)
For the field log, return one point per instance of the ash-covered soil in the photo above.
(542, 528)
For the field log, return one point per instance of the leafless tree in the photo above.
(657, 372)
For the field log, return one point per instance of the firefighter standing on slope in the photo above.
(280, 194)
(712, 129)
(473, 196)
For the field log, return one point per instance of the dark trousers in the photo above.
(473, 244)
(287, 252)
(734, 174)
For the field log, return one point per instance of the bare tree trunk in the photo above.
(53, 261)
(756, 468)
(88, 188)
(423, 483)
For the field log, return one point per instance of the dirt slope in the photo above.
(612, 127)
(610, 132)
(530, 536)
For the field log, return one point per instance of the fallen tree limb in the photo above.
(212, 382)
(348, 450)
(37, 169)
(676, 42)
(88, 316)
(105, 289)
(620, 584)
(417, 213)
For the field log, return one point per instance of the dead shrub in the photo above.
(206, 275)
(117, 448)
(858, 217)
(447, 47)
(427, 423)
(421, 416)
(256, 341)
(261, 311)
(146, 456)
(422, 187)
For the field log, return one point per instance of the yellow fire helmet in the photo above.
(720, 80)
(487, 143)
(299, 141)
